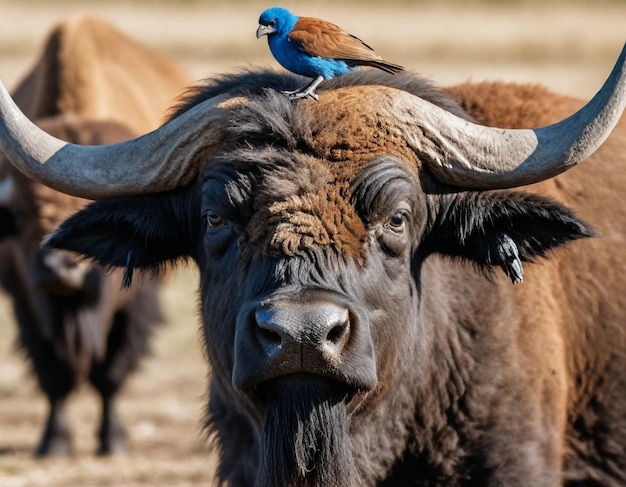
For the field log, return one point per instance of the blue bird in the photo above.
(315, 48)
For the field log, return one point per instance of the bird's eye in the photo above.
(214, 220)
(397, 221)
(272, 23)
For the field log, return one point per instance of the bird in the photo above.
(315, 48)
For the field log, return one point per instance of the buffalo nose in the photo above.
(324, 338)
(303, 335)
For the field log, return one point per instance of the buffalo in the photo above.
(357, 257)
(74, 324)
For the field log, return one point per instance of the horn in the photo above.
(161, 160)
(474, 156)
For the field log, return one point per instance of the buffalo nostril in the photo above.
(269, 339)
(269, 332)
(336, 340)
(338, 333)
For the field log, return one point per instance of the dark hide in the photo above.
(73, 327)
(414, 362)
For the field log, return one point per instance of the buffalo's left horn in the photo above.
(469, 155)
(142, 165)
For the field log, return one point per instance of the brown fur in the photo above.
(301, 221)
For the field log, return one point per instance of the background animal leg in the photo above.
(57, 380)
(107, 375)
(112, 438)
(127, 343)
(112, 434)
(56, 439)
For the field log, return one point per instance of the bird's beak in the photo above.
(264, 30)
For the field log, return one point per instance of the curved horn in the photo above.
(158, 161)
(469, 155)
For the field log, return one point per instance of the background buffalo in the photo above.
(74, 324)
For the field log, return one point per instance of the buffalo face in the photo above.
(301, 267)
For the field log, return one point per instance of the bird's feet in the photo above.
(307, 91)
(297, 94)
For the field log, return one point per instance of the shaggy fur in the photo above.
(474, 382)
(306, 436)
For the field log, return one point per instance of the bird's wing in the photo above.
(320, 38)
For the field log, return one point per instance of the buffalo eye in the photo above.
(397, 221)
(214, 220)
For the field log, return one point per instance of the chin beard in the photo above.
(306, 439)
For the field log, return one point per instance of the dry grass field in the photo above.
(569, 46)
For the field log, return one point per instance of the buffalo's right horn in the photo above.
(142, 165)
(473, 156)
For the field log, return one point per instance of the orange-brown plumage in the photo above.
(326, 40)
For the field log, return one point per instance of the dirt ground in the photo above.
(567, 46)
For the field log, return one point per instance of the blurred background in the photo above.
(569, 46)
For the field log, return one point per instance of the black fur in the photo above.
(306, 438)
(66, 348)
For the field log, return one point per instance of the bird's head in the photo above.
(275, 20)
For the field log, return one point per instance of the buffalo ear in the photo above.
(138, 232)
(500, 228)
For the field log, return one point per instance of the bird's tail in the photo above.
(384, 65)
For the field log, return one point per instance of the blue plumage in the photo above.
(315, 48)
